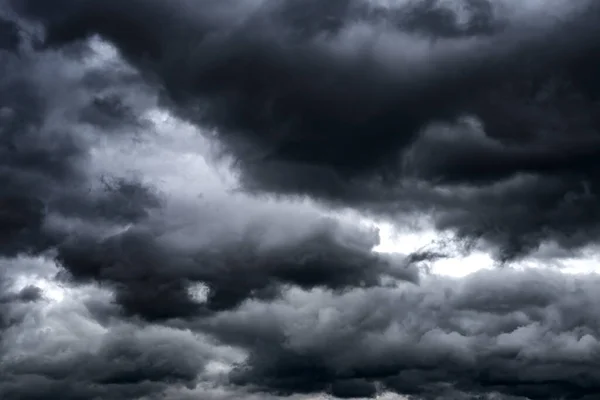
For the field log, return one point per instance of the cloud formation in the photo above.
(335, 101)
(188, 188)
(512, 332)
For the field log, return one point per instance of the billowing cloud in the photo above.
(336, 100)
(154, 274)
(190, 192)
(529, 334)
(77, 349)
(44, 151)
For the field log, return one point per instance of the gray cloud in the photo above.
(153, 266)
(44, 151)
(528, 334)
(62, 349)
(325, 99)
(185, 186)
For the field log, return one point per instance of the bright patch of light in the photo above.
(395, 241)
(39, 272)
(52, 291)
(462, 266)
(459, 265)
(198, 292)
(103, 53)
(217, 368)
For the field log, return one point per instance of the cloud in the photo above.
(64, 349)
(44, 151)
(520, 333)
(10, 35)
(253, 254)
(341, 99)
(330, 100)
(190, 189)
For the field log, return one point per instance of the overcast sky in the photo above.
(299, 199)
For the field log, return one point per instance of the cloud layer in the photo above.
(189, 190)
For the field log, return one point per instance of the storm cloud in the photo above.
(192, 195)
(513, 332)
(336, 100)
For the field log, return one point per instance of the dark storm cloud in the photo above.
(324, 98)
(43, 152)
(530, 334)
(153, 276)
(344, 99)
(30, 160)
(79, 348)
(144, 359)
(541, 183)
(489, 124)
(9, 35)
(44, 187)
(353, 388)
(116, 361)
(108, 111)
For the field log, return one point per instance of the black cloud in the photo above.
(486, 120)
(300, 98)
(10, 35)
(43, 155)
(153, 279)
(323, 99)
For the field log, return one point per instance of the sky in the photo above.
(299, 199)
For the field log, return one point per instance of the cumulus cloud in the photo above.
(521, 333)
(44, 150)
(74, 350)
(190, 193)
(326, 100)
